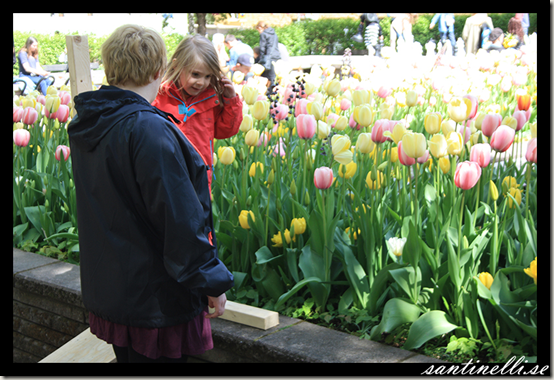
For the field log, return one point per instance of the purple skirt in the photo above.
(190, 338)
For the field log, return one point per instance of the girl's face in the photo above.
(33, 47)
(196, 81)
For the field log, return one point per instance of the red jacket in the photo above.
(202, 118)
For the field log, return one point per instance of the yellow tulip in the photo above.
(332, 88)
(299, 225)
(398, 132)
(252, 171)
(52, 103)
(438, 146)
(493, 191)
(347, 171)
(277, 239)
(386, 111)
(249, 94)
(454, 143)
(238, 77)
(315, 108)
(252, 137)
(340, 146)
(246, 123)
(354, 233)
(414, 144)
(486, 278)
(516, 193)
(323, 129)
(360, 97)
(374, 181)
(226, 155)
(444, 164)
(507, 183)
(363, 115)
(479, 120)
(52, 90)
(448, 126)
(457, 110)
(400, 97)
(510, 122)
(260, 109)
(394, 154)
(432, 123)
(341, 123)
(28, 101)
(309, 88)
(257, 69)
(533, 127)
(243, 219)
(411, 98)
(365, 144)
(532, 270)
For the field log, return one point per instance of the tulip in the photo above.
(386, 111)
(365, 144)
(21, 137)
(510, 122)
(226, 155)
(398, 132)
(341, 123)
(28, 101)
(323, 177)
(360, 97)
(349, 170)
(332, 88)
(414, 144)
(403, 157)
(411, 98)
(396, 245)
(30, 116)
(340, 146)
(305, 126)
(17, 114)
(62, 149)
(345, 104)
(444, 165)
(520, 118)
(363, 115)
(457, 110)
(467, 174)
(249, 94)
(507, 183)
(383, 92)
(299, 225)
(493, 191)
(531, 155)
(243, 219)
(432, 122)
(490, 123)
(315, 108)
(65, 97)
(502, 138)
(486, 278)
(523, 102)
(454, 143)
(52, 104)
(532, 270)
(448, 126)
(277, 239)
(438, 146)
(378, 129)
(374, 184)
(251, 138)
(62, 114)
(301, 107)
(252, 171)
(280, 112)
(516, 193)
(472, 103)
(260, 109)
(246, 123)
(481, 153)
(323, 129)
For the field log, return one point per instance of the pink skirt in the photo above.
(190, 338)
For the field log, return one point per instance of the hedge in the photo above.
(308, 37)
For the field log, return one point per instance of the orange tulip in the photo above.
(523, 102)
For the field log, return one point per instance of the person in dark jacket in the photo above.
(269, 52)
(149, 263)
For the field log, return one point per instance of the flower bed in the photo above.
(397, 198)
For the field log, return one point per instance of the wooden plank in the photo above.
(84, 348)
(78, 59)
(250, 315)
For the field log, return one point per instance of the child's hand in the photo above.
(228, 87)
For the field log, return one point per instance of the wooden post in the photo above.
(78, 59)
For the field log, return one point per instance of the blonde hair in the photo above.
(192, 51)
(133, 53)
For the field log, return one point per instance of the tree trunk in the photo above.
(191, 23)
(201, 19)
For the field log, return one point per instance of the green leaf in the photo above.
(412, 249)
(378, 286)
(299, 285)
(409, 279)
(396, 312)
(427, 327)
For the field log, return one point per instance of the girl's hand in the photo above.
(228, 87)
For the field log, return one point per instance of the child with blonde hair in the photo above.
(197, 93)
(148, 256)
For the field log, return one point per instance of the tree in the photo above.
(201, 19)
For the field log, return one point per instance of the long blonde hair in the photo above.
(192, 51)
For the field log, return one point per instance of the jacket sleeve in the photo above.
(175, 210)
(228, 122)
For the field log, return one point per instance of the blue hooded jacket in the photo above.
(147, 246)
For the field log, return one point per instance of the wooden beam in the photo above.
(250, 315)
(84, 348)
(78, 59)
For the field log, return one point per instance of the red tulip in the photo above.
(403, 157)
(490, 123)
(502, 138)
(323, 177)
(62, 149)
(305, 126)
(17, 114)
(21, 137)
(467, 174)
(481, 153)
(531, 154)
(30, 116)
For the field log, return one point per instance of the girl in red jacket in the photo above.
(195, 91)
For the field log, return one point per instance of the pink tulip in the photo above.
(17, 114)
(352, 123)
(281, 111)
(531, 154)
(481, 153)
(65, 97)
(345, 104)
(301, 107)
(289, 95)
(490, 123)
(62, 149)
(305, 126)
(378, 129)
(41, 99)
(384, 92)
(474, 105)
(403, 157)
(465, 131)
(323, 177)
(423, 159)
(467, 174)
(521, 118)
(30, 116)
(502, 138)
(332, 117)
(21, 137)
